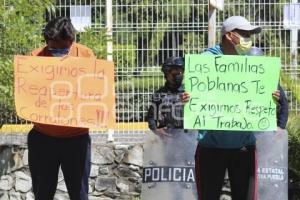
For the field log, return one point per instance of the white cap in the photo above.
(238, 22)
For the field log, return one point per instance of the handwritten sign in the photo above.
(71, 91)
(231, 92)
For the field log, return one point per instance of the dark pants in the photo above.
(211, 165)
(47, 154)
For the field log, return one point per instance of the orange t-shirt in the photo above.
(76, 50)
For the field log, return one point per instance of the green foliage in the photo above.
(140, 84)
(292, 85)
(96, 40)
(153, 27)
(134, 95)
(200, 41)
(21, 24)
(124, 56)
(6, 83)
(293, 128)
(141, 37)
(125, 60)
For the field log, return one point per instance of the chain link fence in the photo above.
(147, 32)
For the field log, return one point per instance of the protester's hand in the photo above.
(185, 97)
(233, 37)
(276, 95)
(162, 132)
(64, 57)
(279, 129)
(280, 133)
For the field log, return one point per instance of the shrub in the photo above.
(293, 129)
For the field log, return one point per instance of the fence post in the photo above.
(109, 34)
(294, 48)
(212, 16)
(214, 5)
(109, 29)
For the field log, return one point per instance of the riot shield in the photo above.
(272, 152)
(169, 166)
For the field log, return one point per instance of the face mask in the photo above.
(178, 79)
(244, 46)
(59, 52)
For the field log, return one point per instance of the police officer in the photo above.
(166, 109)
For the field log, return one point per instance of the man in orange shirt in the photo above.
(50, 146)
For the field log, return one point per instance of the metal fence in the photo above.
(146, 32)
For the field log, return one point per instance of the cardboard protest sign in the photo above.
(70, 91)
(231, 92)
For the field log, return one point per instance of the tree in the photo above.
(21, 25)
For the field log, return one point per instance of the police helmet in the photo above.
(172, 62)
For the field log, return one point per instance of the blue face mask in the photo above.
(59, 52)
